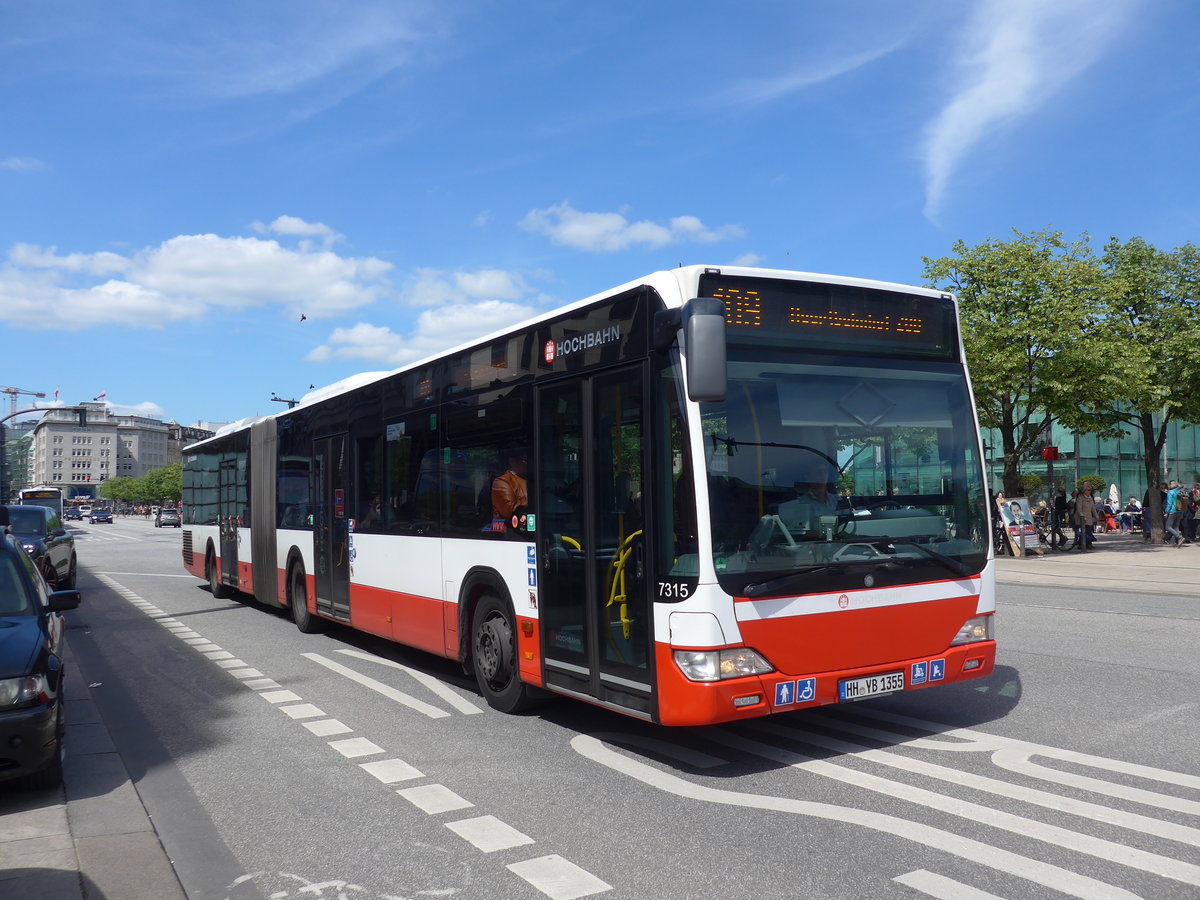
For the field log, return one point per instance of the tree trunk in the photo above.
(1152, 444)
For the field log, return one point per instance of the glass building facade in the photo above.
(1117, 461)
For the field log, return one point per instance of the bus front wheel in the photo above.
(298, 601)
(494, 656)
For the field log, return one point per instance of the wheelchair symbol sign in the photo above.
(919, 673)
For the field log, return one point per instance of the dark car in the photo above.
(100, 515)
(32, 648)
(40, 531)
(73, 513)
(168, 517)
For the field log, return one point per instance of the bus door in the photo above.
(229, 512)
(331, 526)
(594, 590)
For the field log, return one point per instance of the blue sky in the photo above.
(180, 182)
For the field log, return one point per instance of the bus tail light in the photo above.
(717, 665)
(976, 629)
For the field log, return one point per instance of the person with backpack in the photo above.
(1177, 504)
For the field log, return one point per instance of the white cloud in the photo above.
(433, 287)
(1013, 56)
(610, 232)
(182, 278)
(435, 331)
(747, 259)
(809, 73)
(22, 164)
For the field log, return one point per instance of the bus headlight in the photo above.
(977, 629)
(717, 665)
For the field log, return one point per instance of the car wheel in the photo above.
(494, 656)
(306, 621)
(51, 774)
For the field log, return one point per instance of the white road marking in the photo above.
(1094, 811)
(302, 711)
(245, 673)
(327, 727)
(438, 687)
(263, 684)
(354, 747)
(225, 659)
(489, 834)
(434, 798)
(559, 878)
(379, 687)
(941, 887)
(279, 696)
(392, 771)
(1033, 870)
(1050, 834)
(997, 742)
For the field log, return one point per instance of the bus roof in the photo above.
(675, 286)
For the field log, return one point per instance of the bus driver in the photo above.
(815, 497)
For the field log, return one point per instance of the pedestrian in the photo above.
(1177, 504)
(1085, 518)
(1058, 516)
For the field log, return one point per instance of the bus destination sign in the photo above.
(835, 317)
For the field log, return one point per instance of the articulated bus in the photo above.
(51, 497)
(747, 491)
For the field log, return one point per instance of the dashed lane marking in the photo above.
(553, 875)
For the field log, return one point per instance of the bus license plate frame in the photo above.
(879, 685)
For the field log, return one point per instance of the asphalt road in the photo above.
(280, 764)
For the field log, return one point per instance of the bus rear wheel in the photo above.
(219, 590)
(298, 601)
(494, 656)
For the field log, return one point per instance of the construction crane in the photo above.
(13, 393)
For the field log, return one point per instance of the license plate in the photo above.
(871, 686)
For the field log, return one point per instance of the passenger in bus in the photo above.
(816, 496)
(510, 491)
(372, 518)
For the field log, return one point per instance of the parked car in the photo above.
(100, 515)
(168, 517)
(40, 531)
(32, 656)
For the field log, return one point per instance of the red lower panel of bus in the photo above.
(851, 638)
(684, 702)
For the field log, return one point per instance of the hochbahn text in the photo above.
(738, 492)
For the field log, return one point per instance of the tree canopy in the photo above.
(1106, 344)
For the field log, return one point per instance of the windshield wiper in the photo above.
(941, 559)
(786, 581)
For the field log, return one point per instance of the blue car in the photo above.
(32, 660)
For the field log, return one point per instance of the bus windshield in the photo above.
(828, 473)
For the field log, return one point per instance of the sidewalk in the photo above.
(1117, 562)
(90, 839)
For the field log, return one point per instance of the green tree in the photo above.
(1023, 305)
(1151, 322)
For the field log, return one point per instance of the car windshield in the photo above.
(26, 521)
(14, 598)
(822, 474)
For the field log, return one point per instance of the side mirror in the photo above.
(59, 532)
(704, 348)
(61, 601)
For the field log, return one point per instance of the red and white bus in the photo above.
(747, 491)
